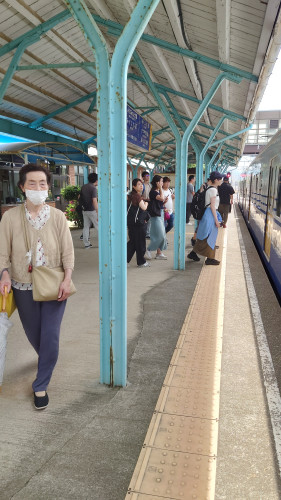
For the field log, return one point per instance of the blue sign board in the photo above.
(139, 131)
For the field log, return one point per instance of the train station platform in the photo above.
(91, 442)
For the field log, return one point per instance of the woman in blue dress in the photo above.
(210, 222)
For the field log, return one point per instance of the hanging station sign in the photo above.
(139, 131)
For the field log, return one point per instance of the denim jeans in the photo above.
(169, 224)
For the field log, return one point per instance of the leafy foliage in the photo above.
(72, 215)
(70, 192)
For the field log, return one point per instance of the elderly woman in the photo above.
(210, 222)
(50, 245)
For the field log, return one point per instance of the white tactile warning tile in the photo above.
(178, 458)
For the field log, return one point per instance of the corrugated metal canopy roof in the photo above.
(230, 32)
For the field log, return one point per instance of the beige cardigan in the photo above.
(55, 236)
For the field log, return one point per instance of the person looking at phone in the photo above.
(158, 240)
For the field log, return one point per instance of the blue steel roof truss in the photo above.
(33, 35)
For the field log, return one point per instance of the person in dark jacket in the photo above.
(226, 193)
(137, 231)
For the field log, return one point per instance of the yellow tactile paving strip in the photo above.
(178, 458)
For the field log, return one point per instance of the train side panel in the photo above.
(260, 203)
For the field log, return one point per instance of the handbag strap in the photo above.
(129, 208)
(26, 240)
(136, 217)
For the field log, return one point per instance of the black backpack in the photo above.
(198, 204)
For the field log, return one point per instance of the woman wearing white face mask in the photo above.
(51, 246)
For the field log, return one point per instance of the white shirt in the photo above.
(210, 193)
(169, 203)
(39, 221)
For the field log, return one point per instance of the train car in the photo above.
(260, 203)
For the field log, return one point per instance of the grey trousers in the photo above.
(41, 322)
(89, 217)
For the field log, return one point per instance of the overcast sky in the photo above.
(272, 96)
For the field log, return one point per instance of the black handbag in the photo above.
(154, 209)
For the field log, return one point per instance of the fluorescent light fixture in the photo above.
(92, 151)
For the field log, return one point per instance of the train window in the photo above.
(278, 201)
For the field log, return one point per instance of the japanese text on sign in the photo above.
(139, 131)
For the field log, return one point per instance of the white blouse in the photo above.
(39, 221)
(210, 193)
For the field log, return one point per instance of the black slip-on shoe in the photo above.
(212, 262)
(41, 402)
(193, 256)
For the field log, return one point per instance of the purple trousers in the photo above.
(41, 322)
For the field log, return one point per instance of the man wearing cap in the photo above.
(226, 193)
(145, 195)
(210, 222)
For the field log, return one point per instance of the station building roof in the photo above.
(50, 90)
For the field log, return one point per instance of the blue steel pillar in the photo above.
(112, 139)
(210, 164)
(220, 143)
(170, 121)
(204, 150)
(220, 158)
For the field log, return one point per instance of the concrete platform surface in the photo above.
(86, 443)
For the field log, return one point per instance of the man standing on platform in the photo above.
(226, 193)
(189, 196)
(89, 201)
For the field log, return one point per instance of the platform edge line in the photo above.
(269, 377)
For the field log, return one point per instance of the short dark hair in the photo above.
(155, 179)
(32, 167)
(191, 177)
(145, 172)
(166, 179)
(93, 177)
(135, 181)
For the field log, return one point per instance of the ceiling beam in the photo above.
(186, 96)
(116, 28)
(223, 32)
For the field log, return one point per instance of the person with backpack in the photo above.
(197, 210)
(210, 222)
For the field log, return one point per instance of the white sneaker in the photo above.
(148, 255)
(161, 256)
(145, 265)
(189, 224)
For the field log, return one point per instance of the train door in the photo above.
(250, 197)
(270, 208)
